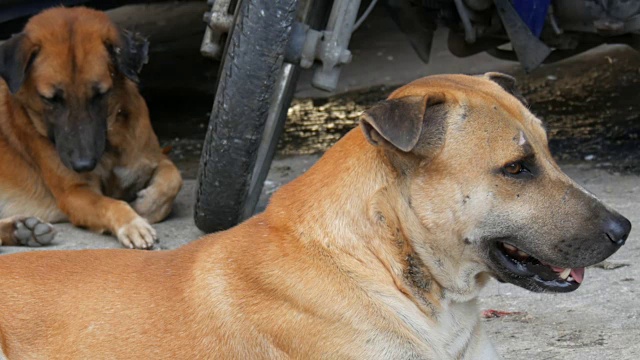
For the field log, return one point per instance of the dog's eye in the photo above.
(517, 168)
(514, 168)
(56, 99)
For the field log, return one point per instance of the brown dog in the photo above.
(377, 252)
(76, 142)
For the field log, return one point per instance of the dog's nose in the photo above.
(83, 165)
(617, 229)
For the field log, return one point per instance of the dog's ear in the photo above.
(16, 56)
(400, 122)
(130, 54)
(508, 83)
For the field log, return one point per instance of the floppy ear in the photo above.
(508, 83)
(131, 52)
(400, 122)
(16, 56)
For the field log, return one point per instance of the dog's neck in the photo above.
(351, 203)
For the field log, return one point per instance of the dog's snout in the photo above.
(84, 164)
(617, 229)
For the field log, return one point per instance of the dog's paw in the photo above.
(32, 231)
(152, 206)
(137, 234)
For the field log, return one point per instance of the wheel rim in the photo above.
(273, 127)
(276, 120)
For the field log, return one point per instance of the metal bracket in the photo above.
(331, 45)
(219, 20)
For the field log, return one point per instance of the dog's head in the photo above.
(68, 67)
(480, 178)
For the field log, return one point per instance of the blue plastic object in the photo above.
(533, 13)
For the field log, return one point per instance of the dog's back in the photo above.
(65, 318)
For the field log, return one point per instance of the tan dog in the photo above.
(377, 252)
(75, 135)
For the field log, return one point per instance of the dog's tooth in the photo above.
(509, 247)
(565, 273)
(523, 254)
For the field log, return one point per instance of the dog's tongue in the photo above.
(577, 274)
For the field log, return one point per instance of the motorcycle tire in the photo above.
(253, 94)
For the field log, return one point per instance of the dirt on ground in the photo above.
(590, 107)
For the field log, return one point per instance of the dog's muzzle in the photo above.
(518, 267)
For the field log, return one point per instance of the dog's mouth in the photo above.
(522, 269)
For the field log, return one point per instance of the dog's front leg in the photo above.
(481, 347)
(155, 201)
(86, 208)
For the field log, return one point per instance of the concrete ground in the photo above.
(601, 320)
